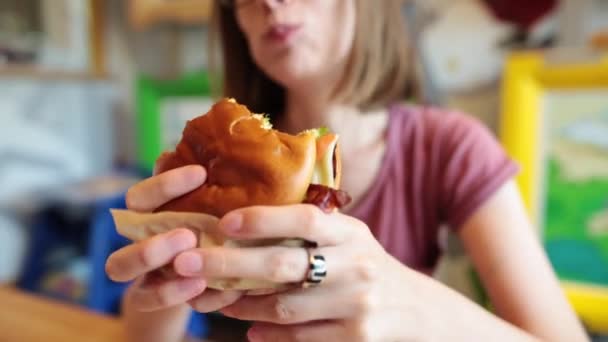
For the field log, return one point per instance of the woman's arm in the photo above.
(165, 325)
(515, 271)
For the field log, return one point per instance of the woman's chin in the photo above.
(286, 68)
(290, 76)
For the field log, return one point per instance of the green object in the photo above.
(151, 125)
(576, 254)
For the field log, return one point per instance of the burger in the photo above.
(250, 163)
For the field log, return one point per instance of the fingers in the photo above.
(139, 258)
(153, 192)
(313, 332)
(300, 305)
(296, 221)
(163, 294)
(274, 264)
(213, 300)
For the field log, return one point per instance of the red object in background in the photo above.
(523, 13)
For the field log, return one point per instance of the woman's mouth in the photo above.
(281, 33)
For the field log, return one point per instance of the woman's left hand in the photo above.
(366, 295)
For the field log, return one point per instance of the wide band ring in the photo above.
(317, 269)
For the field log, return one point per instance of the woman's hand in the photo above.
(140, 262)
(365, 294)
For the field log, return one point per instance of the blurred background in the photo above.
(91, 91)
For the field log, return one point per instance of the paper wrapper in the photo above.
(138, 226)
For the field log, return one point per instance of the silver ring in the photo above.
(317, 269)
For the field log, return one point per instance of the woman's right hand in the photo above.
(140, 262)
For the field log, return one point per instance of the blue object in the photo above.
(104, 294)
(56, 241)
(86, 233)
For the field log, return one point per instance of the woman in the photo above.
(344, 64)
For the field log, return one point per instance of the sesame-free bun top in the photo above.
(247, 162)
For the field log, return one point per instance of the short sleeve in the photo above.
(473, 166)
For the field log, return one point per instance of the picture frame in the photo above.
(554, 117)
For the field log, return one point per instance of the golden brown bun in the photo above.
(246, 163)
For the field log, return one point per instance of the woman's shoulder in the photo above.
(453, 153)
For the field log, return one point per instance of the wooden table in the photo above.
(25, 317)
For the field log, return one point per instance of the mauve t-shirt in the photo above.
(438, 168)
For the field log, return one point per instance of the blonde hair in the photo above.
(379, 69)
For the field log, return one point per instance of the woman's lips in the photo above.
(281, 33)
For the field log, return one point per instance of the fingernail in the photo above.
(254, 335)
(189, 263)
(196, 174)
(232, 223)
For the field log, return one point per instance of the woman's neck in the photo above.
(313, 109)
(309, 102)
(306, 109)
